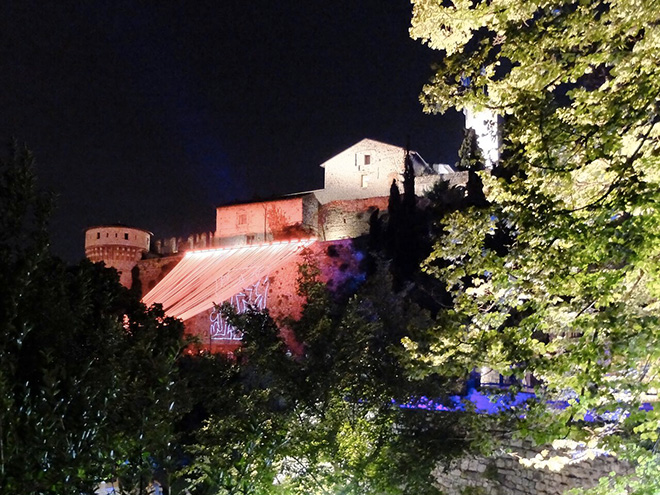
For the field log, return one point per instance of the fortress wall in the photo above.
(151, 271)
(344, 219)
(259, 222)
(339, 263)
(173, 245)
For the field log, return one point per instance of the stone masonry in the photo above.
(518, 470)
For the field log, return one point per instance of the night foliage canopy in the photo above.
(571, 296)
(88, 386)
(328, 418)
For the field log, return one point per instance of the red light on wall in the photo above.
(206, 277)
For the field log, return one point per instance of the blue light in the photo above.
(485, 403)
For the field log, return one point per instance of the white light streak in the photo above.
(210, 276)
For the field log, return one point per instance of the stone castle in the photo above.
(357, 184)
(253, 255)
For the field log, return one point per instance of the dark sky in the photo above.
(151, 113)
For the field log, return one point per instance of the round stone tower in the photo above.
(118, 246)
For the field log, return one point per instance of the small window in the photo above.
(365, 181)
(367, 159)
(126, 236)
(98, 235)
(107, 234)
(116, 234)
(242, 219)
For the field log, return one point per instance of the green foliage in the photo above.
(245, 412)
(86, 372)
(405, 242)
(353, 437)
(469, 154)
(325, 421)
(558, 275)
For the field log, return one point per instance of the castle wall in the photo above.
(254, 223)
(424, 183)
(153, 270)
(174, 245)
(310, 214)
(339, 264)
(344, 219)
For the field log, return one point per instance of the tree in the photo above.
(328, 420)
(353, 435)
(86, 371)
(470, 159)
(406, 236)
(469, 154)
(245, 412)
(570, 293)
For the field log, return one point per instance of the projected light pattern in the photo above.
(483, 403)
(488, 403)
(210, 276)
(254, 296)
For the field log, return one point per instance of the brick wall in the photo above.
(262, 222)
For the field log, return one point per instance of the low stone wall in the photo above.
(522, 469)
(425, 183)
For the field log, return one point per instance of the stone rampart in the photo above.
(340, 267)
(348, 219)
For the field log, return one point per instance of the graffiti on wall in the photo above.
(254, 296)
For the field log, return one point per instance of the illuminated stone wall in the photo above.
(512, 472)
(151, 271)
(173, 245)
(253, 223)
(425, 183)
(340, 267)
(346, 219)
(302, 217)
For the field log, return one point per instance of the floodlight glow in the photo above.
(210, 276)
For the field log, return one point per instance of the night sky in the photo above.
(150, 113)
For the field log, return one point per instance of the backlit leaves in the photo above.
(573, 297)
